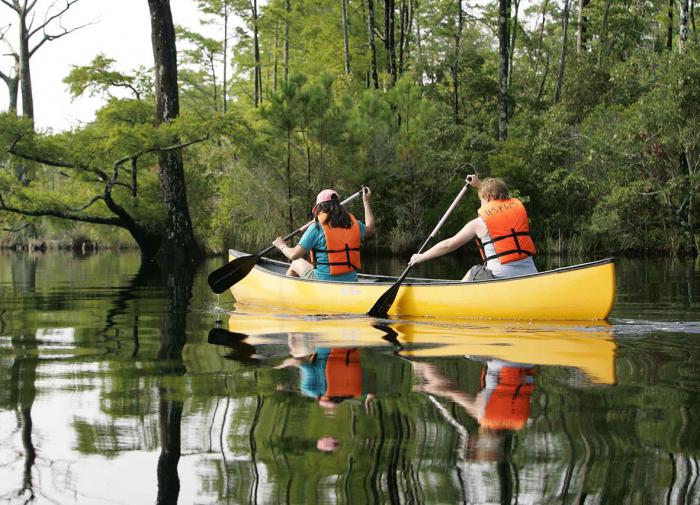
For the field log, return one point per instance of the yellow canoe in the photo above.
(586, 346)
(581, 292)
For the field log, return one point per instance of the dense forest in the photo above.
(590, 110)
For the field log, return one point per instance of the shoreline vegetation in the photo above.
(590, 111)
(552, 245)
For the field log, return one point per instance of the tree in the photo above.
(503, 64)
(564, 49)
(346, 38)
(683, 22)
(223, 10)
(285, 113)
(99, 77)
(11, 78)
(200, 85)
(581, 40)
(179, 242)
(372, 45)
(27, 31)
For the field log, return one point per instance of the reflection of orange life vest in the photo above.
(343, 374)
(506, 221)
(508, 407)
(342, 246)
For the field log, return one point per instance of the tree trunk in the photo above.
(224, 90)
(389, 39)
(12, 82)
(277, 48)
(683, 24)
(419, 45)
(581, 42)
(179, 243)
(288, 9)
(538, 58)
(346, 40)
(25, 74)
(513, 35)
(604, 36)
(564, 47)
(503, 42)
(257, 95)
(455, 63)
(402, 33)
(669, 30)
(372, 45)
(290, 216)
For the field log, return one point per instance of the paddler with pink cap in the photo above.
(332, 241)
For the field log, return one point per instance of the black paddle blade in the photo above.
(381, 307)
(391, 335)
(223, 278)
(219, 336)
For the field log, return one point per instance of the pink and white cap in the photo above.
(325, 196)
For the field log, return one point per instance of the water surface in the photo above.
(122, 386)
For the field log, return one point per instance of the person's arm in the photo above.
(448, 245)
(369, 216)
(292, 253)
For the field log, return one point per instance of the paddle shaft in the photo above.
(384, 303)
(437, 228)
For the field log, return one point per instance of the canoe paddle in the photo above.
(226, 276)
(384, 303)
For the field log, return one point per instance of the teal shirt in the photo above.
(314, 238)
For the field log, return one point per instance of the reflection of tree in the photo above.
(22, 395)
(173, 337)
(24, 272)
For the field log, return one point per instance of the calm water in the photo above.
(127, 387)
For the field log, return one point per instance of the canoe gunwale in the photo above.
(423, 282)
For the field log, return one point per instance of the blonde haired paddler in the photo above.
(332, 241)
(502, 233)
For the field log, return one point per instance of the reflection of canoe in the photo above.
(586, 346)
(583, 292)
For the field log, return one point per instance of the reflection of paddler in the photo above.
(507, 389)
(332, 374)
(502, 404)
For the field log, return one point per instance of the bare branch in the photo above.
(16, 230)
(173, 147)
(12, 6)
(94, 199)
(49, 38)
(63, 214)
(48, 19)
(102, 177)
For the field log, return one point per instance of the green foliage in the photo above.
(614, 166)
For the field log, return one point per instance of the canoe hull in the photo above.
(587, 346)
(584, 292)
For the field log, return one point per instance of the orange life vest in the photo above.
(506, 221)
(508, 407)
(342, 246)
(343, 374)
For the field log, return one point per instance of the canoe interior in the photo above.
(280, 268)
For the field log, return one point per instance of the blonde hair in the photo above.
(493, 189)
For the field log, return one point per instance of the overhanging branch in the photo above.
(69, 214)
